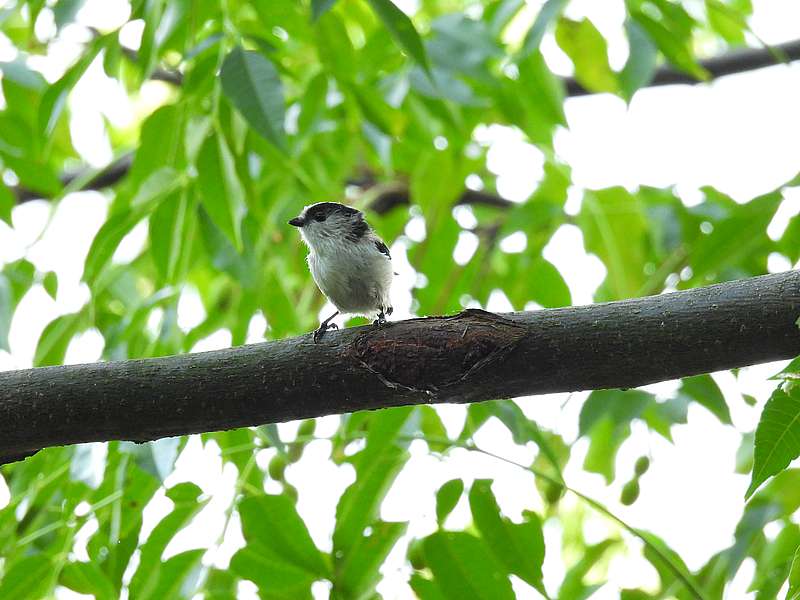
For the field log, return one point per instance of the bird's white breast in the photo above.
(354, 276)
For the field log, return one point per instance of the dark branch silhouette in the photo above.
(469, 357)
(385, 201)
(736, 61)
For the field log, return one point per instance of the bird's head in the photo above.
(327, 222)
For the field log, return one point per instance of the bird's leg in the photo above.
(324, 326)
(381, 320)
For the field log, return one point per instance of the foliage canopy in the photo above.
(267, 105)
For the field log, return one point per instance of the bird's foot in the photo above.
(381, 320)
(320, 331)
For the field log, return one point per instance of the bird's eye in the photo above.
(319, 217)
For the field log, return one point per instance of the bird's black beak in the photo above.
(297, 222)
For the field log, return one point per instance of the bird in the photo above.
(350, 264)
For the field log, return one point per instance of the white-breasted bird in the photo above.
(349, 263)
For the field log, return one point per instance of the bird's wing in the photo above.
(382, 248)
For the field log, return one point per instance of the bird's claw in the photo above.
(320, 331)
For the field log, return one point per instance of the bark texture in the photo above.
(469, 357)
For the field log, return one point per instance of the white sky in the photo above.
(738, 134)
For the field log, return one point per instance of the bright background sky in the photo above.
(739, 134)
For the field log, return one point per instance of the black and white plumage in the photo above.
(349, 263)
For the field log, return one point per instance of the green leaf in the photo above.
(35, 175)
(606, 418)
(359, 504)
(402, 29)
(318, 7)
(65, 11)
(221, 191)
(790, 373)
(18, 72)
(273, 522)
(251, 82)
(358, 572)
(532, 278)
(221, 584)
(28, 577)
(615, 229)
(667, 562)
(106, 241)
(447, 496)
(660, 416)
(499, 14)
(794, 578)
(705, 391)
(175, 573)
(119, 518)
(157, 457)
(573, 587)
(463, 567)
(50, 283)
(87, 578)
(541, 95)
(736, 237)
(581, 41)
(425, 589)
(434, 182)
(280, 556)
(56, 336)
(172, 228)
(272, 573)
(671, 30)
(151, 575)
(728, 22)
(376, 467)
(7, 305)
(777, 435)
(461, 45)
(55, 98)
(144, 200)
(774, 564)
(520, 547)
(161, 144)
(641, 64)
(7, 204)
(605, 440)
(430, 423)
(549, 11)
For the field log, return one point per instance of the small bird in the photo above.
(349, 263)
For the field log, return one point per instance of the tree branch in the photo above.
(389, 199)
(736, 61)
(107, 177)
(469, 357)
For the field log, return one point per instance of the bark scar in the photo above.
(430, 354)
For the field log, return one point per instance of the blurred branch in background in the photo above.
(469, 357)
(737, 61)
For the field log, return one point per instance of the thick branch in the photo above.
(469, 357)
